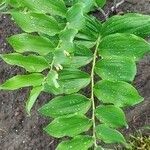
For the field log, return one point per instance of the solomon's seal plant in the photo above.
(67, 37)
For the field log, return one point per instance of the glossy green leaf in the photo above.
(70, 81)
(86, 43)
(91, 30)
(123, 45)
(87, 4)
(67, 36)
(117, 92)
(82, 56)
(52, 78)
(68, 126)
(34, 22)
(109, 135)
(31, 63)
(13, 3)
(111, 115)
(75, 16)
(61, 58)
(35, 92)
(47, 6)
(20, 81)
(66, 105)
(31, 43)
(133, 23)
(100, 3)
(78, 143)
(116, 68)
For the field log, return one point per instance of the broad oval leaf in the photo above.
(46, 6)
(35, 92)
(35, 22)
(111, 115)
(73, 80)
(31, 43)
(109, 135)
(68, 126)
(70, 81)
(75, 16)
(66, 37)
(90, 32)
(66, 105)
(78, 143)
(31, 63)
(117, 92)
(87, 4)
(137, 24)
(82, 56)
(13, 3)
(116, 68)
(123, 45)
(20, 81)
(86, 43)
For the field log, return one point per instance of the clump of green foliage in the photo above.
(66, 34)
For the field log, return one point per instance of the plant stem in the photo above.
(103, 13)
(116, 5)
(92, 91)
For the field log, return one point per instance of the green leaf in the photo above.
(20, 81)
(31, 43)
(66, 105)
(111, 115)
(35, 92)
(70, 81)
(34, 22)
(109, 135)
(75, 16)
(47, 6)
(61, 58)
(86, 43)
(66, 37)
(91, 30)
(31, 63)
(68, 126)
(82, 56)
(87, 4)
(116, 68)
(117, 92)
(78, 143)
(133, 23)
(52, 78)
(13, 3)
(100, 3)
(123, 45)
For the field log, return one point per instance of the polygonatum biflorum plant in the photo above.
(67, 37)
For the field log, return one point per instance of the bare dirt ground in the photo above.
(21, 132)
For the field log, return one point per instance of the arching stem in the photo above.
(92, 91)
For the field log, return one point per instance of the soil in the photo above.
(21, 132)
